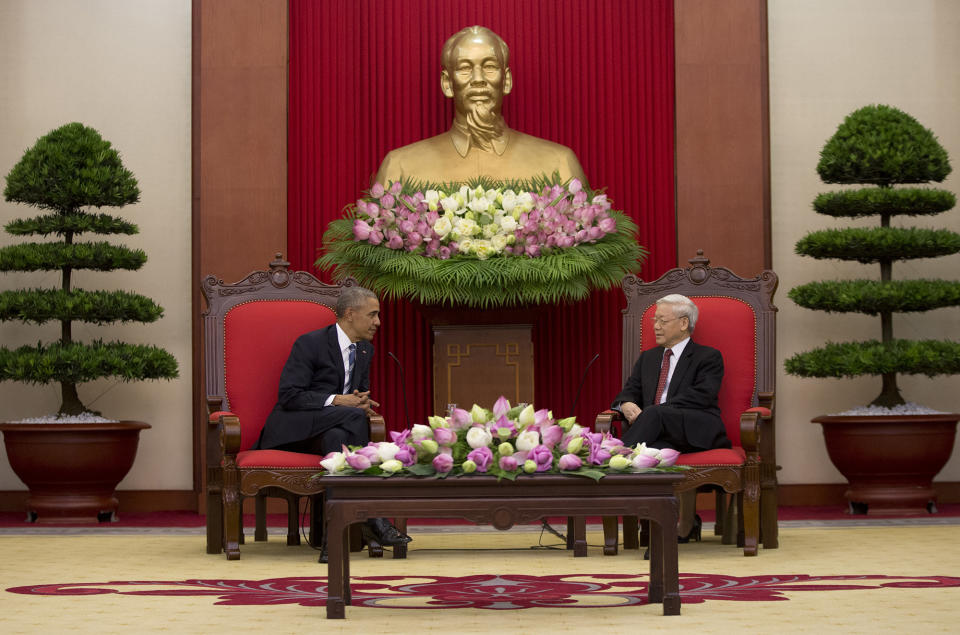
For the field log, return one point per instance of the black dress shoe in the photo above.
(387, 533)
(695, 531)
(323, 554)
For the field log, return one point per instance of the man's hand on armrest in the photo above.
(630, 411)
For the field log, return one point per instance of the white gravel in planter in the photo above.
(86, 417)
(879, 411)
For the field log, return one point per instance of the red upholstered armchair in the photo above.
(249, 329)
(737, 317)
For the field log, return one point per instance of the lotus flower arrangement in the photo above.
(483, 244)
(505, 441)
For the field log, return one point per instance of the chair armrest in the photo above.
(226, 426)
(378, 429)
(605, 419)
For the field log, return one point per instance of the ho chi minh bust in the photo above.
(477, 76)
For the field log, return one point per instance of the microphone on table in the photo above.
(583, 378)
(403, 386)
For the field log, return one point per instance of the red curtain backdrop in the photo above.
(594, 75)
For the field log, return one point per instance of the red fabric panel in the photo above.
(273, 459)
(597, 76)
(728, 325)
(257, 340)
(734, 456)
(215, 416)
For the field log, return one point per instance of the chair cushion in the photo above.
(257, 338)
(724, 456)
(728, 325)
(277, 459)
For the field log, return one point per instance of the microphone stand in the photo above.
(583, 378)
(403, 384)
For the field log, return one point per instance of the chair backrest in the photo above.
(736, 317)
(249, 329)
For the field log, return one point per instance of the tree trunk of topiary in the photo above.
(70, 400)
(889, 393)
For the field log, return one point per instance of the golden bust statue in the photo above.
(477, 76)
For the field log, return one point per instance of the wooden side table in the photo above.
(352, 499)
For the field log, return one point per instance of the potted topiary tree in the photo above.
(73, 462)
(890, 451)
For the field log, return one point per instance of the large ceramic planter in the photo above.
(890, 461)
(71, 469)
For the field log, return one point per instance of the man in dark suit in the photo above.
(324, 394)
(670, 399)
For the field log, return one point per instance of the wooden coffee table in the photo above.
(482, 499)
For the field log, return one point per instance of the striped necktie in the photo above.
(351, 360)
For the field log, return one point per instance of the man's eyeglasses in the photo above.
(660, 321)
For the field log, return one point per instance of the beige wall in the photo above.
(828, 58)
(122, 67)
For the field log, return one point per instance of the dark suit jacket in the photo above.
(693, 391)
(314, 371)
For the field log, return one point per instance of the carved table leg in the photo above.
(580, 537)
(611, 535)
(631, 528)
(337, 569)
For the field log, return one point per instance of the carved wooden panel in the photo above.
(478, 363)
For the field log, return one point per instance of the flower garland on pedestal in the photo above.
(484, 243)
(505, 442)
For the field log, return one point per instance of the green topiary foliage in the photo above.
(877, 244)
(874, 297)
(907, 201)
(883, 146)
(70, 169)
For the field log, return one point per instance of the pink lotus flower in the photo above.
(396, 187)
(377, 190)
(460, 419)
(371, 452)
(608, 225)
(358, 461)
(361, 230)
(407, 455)
(387, 201)
(668, 456)
(570, 462)
(644, 460)
(395, 242)
(443, 463)
(542, 456)
(483, 457)
(501, 407)
(376, 237)
(551, 435)
(445, 436)
(508, 463)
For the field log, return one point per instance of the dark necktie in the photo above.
(664, 370)
(351, 360)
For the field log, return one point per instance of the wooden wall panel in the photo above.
(722, 128)
(239, 154)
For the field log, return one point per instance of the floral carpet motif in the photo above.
(495, 592)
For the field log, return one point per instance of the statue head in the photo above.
(477, 76)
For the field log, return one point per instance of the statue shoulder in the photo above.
(406, 160)
(548, 153)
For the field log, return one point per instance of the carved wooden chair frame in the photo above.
(754, 483)
(228, 483)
